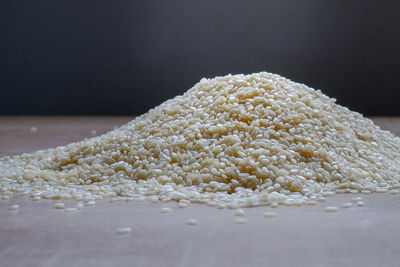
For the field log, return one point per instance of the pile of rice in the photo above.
(234, 141)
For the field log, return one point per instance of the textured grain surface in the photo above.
(39, 235)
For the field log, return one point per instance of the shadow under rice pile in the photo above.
(232, 141)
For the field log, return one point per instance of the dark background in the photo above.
(123, 57)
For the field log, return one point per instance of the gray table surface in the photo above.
(39, 235)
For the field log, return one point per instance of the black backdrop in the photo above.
(124, 57)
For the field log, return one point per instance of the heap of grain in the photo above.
(235, 141)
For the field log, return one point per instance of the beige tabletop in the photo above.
(39, 235)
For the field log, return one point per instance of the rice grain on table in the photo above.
(237, 141)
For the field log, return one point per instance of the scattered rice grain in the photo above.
(191, 222)
(269, 214)
(360, 203)
(14, 207)
(166, 210)
(331, 209)
(347, 205)
(59, 205)
(70, 210)
(90, 203)
(123, 230)
(240, 220)
(239, 212)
